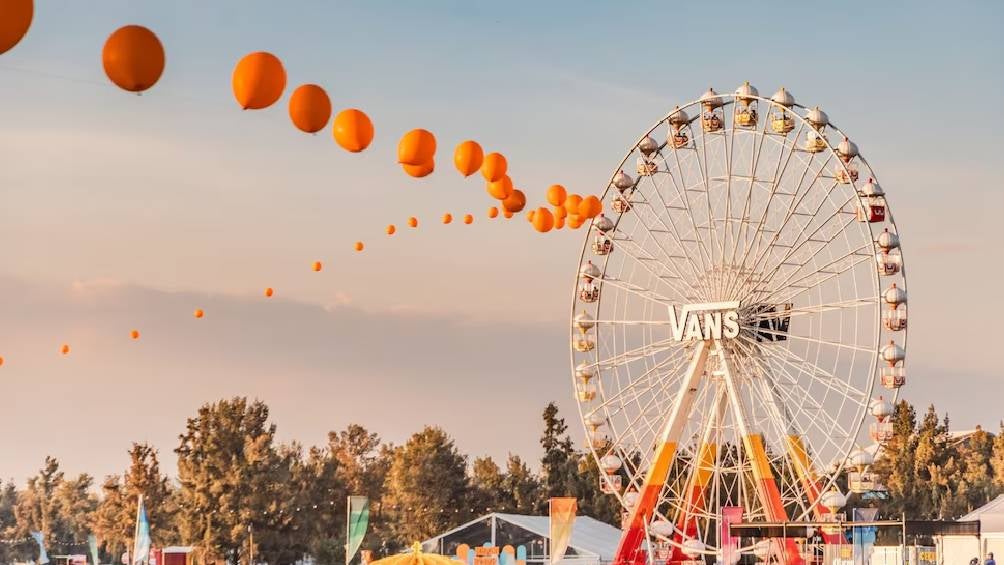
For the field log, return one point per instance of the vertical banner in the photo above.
(43, 557)
(863, 536)
(92, 543)
(561, 511)
(358, 509)
(141, 538)
(730, 545)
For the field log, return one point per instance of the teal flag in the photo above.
(355, 527)
(92, 542)
(43, 557)
(141, 541)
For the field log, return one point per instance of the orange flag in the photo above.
(562, 518)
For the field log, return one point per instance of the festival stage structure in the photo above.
(733, 314)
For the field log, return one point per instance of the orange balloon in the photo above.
(500, 189)
(572, 203)
(543, 221)
(590, 207)
(359, 246)
(258, 81)
(507, 214)
(133, 58)
(413, 222)
(559, 222)
(575, 221)
(353, 130)
(1, 360)
(467, 157)
(560, 212)
(269, 292)
(391, 229)
(317, 266)
(65, 349)
(134, 334)
(417, 147)
(15, 19)
(556, 195)
(515, 202)
(494, 167)
(529, 216)
(447, 218)
(468, 219)
(198, 313)
(493, 212)
(420, 170)
(309, 108)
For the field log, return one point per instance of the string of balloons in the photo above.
(133, 59)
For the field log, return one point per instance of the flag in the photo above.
(863, 537)
(92, 542)
(358, 508)
(561, 512)
(43, 557)
(730, 545)
(141, 539)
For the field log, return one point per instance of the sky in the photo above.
(120, 211)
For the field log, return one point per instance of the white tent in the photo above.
(960, 549)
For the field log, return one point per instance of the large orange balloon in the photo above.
(309, 108)
(258, 81)
(493, 212)
(417, 147)
(467, 157)
(420, 170)
(572, 203)
(494, 167)
(133, 58)
(500, 189)
(575, 221)
(590, 207)
(556, 195)
(15, 19)
(560, 212)
(543, 221)
(515, 202)
(353, 130)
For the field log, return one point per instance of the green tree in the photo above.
(997, 460)
(76, 504)
(520, 487)
(231, 478)
(112, 524)
(8, 521)
(558, 465)
(363, 464)
(426, 490)
(977, 472)
(37, 508)
(592, 501)
(895, 469)
(487, 485)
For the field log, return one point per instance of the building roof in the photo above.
(990, 515)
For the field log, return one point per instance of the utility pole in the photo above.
(250, 544)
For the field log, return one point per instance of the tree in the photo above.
(895, 469)
(113, 532)
(520, 486)
(977, 474)
(558, 465)
(363, 464)
(76, 504)
(426, 490)
(8, 521)
(231, 478)
(487, 485)
(37, 508)
(997, 460)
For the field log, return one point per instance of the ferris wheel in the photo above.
(733, 312)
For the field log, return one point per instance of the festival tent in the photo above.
(960, 549)
(592, 542)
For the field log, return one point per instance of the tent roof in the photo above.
(588, 534)
(990, 515)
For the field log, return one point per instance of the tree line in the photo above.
(233, 475)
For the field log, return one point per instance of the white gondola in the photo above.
(602, 245)
(894, 319)
(711, 117)
(589, 292)
(583, 343)
(648, 146)
(893, 377)
(815, 142)
(888, 264)
(623, 181)
(745, 113)
(847, 174)
(881, 432)
(621, 204)
(586, 392)
(781, 121)
(646, 167)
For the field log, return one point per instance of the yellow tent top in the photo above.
(416, 557)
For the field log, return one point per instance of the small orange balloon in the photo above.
(309, 108)
(447, 218)
(494, 167)
(500, 189)
(590, 207)
(507, 214)
(572, 203)
(359, 246)
(556, 195)
(420, 170)
(559, 212)
(269, 292)
(1, 360)
(15, 19)
(199, 313)
(353, 130)
(258, 80)
(391, 229)
(529, 216)
(317, 266)
(493, 212)
(468, 219)
(417, 147)
(467, 157)
(133, 58)
(65, 349)
(559, 222)
(543, 221)
(134, 334)
(515, 202)
(575, 221)
(413, 222)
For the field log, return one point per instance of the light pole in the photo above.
(250, 544)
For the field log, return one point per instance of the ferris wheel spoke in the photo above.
(648, 262)
(830, 381)
(813, 309)
(821, 341)
(743, 228)
(636, 353)
(639, 291)
(644, 382)
(788, 291)
(684, 197)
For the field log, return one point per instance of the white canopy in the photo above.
(990, 515)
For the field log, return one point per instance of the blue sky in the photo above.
(120, 211)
